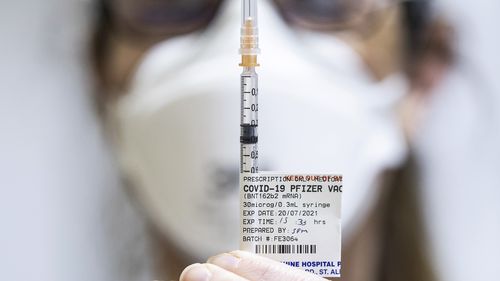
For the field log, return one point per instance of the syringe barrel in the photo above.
(249, 122)
(249, 97)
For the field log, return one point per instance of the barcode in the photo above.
(285, 249)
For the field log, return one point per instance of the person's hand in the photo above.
(244, 266)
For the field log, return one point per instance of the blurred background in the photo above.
(82, 83)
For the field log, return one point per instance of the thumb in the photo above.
(257, 268)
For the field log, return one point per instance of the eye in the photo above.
(162, 17)
(324, 14)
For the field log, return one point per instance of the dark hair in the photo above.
(427, 36)
(416, 18)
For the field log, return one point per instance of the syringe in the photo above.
(249, 120)
(317, 240)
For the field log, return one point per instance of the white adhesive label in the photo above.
(294, 219)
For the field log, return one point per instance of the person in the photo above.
(337, 70)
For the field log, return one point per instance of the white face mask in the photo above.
(178, 128)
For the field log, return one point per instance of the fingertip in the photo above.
(239, 253)
(195, 272)
(226, 260)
